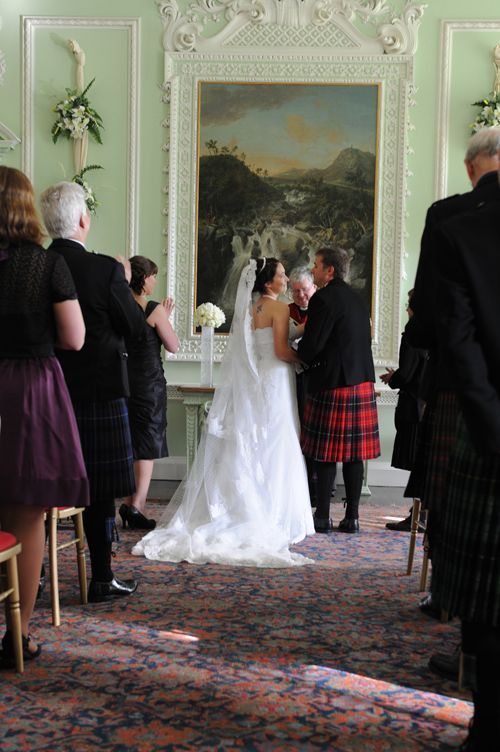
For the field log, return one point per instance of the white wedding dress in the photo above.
(246, 498)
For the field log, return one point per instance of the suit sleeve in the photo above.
(460, 342)
(318, 329)
(411, 360)
(126, 315)
(421, 329)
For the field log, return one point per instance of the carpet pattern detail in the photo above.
(331, 656)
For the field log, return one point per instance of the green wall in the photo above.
(471, 77)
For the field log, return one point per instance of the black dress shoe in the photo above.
(446, 664)
(322, 524)
(429, 607)
(404, 526)
(107, 591)
(348, 525)
(135, 519)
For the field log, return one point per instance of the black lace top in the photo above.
(31, 280)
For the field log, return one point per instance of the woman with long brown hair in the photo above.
(41, 463)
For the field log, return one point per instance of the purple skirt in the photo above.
(41, 461)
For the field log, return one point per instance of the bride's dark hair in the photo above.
(266, 269)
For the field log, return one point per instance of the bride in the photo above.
(246, 497)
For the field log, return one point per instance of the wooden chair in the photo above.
(53, 516)
(415, 521)
(9, 549)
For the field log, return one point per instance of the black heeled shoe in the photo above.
(7, 657)
(135, 519)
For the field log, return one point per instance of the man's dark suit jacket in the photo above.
(421, 329)
(469, 317)
(337, 339)
(98, 372)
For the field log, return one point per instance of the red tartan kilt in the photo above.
(341, 425)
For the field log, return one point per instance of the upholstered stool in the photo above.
(9, 549)
(53, 516)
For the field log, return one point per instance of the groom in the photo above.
(340, 421)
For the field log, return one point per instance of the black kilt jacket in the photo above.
(337, 339)
(421, 329)
(469, 317)
(98, 372)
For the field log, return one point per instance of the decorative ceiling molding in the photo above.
(261, 19)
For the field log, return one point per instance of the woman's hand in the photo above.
(168, 305)
(386, 377)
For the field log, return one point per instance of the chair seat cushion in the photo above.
(7, 540)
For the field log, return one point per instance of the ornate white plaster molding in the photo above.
(132, 26)
(448, 29)
(185, 70)
(8, 139)
(286, 41)
(185, 33)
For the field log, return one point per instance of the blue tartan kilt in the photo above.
(107, 448)
(469, 574)
(341, 425)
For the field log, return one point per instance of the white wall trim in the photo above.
(448, 28)
(380, 473)
(132, 26)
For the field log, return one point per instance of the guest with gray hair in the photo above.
(97, 377)
(302, 287)
(437, 434)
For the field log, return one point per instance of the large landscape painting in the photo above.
(282, 170)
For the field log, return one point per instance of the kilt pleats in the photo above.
(436, 440)
(107, 448)
(469, 574)
(341, 425)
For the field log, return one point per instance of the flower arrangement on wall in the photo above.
(489, 114)
(76, 119)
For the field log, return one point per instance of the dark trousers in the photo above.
(99, 525)
(325, 478)
(483, 642)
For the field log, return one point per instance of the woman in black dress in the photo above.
(41, 462)
(148, 389)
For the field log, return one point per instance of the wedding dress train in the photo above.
(246, 498)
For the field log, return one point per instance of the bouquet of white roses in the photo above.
(208, 314)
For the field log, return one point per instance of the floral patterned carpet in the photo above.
(331, 656)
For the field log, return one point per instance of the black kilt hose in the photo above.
(341, 424)
(469, 576)
(107, 448)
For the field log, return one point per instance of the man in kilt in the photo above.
(340, 422)
(468, 579)
(437, 433)
(97, 377)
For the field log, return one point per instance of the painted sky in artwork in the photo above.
(288, 126)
